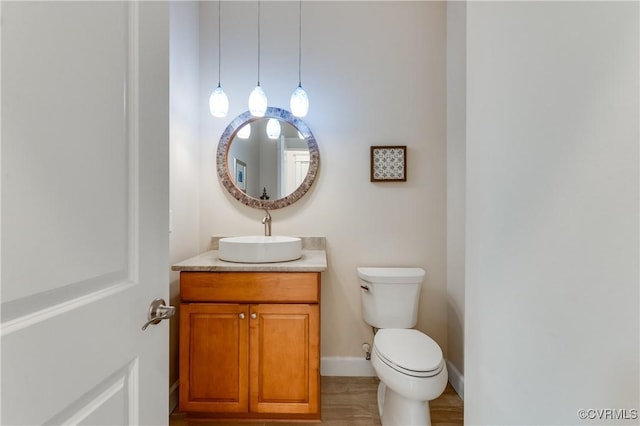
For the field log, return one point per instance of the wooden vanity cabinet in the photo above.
(250, 344)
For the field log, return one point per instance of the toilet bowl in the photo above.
(412, 372)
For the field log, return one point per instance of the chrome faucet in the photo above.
(266, 221)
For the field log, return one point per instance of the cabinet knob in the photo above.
(241, 315)
(254, 315)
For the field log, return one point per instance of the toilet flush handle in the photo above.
(364, 287)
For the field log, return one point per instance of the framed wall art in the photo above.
(241, 174)
(389, 163)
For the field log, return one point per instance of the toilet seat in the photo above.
(409, 352)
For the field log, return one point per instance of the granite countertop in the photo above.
(314, 259)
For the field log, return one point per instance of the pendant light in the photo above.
(299, 100)
(245, 131)
(273, 128)
(218, 101)
(257, 98)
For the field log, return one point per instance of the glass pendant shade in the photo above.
(245, 131)
(299, 102)
(258, 102)
(218, 102)
(273, 128)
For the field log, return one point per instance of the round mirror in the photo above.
(267, 162)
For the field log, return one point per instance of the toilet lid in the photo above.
(408, 351)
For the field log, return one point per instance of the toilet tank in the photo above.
(390, 296)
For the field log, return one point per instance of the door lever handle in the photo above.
(158, 311)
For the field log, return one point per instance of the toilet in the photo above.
(409, 364)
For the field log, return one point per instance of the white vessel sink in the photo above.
(260, 249)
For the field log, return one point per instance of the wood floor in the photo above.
(351, 401)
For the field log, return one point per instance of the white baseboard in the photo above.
(346, 366)
(456, 379)
(173, 397)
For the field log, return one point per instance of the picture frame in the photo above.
(240, 174)
(389, 163)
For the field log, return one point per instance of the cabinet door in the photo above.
(285, 355)
(214, 357)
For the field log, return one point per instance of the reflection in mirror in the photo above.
(267, 162)
(245, 131)
(274, 160)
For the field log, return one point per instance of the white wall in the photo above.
(552, 322)
(375, 74)
(185, 150)
(456, 149)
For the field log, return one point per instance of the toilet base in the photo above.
(396, 410)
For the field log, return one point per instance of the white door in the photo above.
(84, 205)
(296, 168)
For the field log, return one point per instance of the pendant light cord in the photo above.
(219, 43)
(300, 43)
(258, 42)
